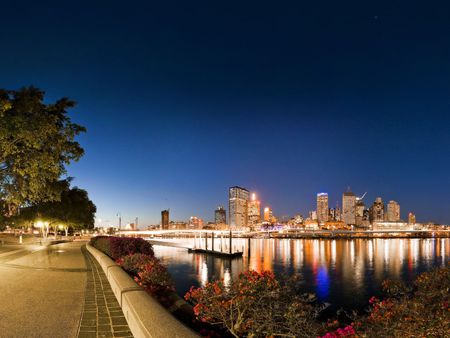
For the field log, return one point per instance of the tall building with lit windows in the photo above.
(377, 211)
(254, 211)
(220, 215)
(349, 208)
(165, 219)
(238, 207)
(322, 207)
(393, 211)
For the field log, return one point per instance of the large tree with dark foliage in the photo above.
(37, 141)
(74, 209)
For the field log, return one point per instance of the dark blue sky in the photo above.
(184, 99)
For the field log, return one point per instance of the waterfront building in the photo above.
(238, 207)
(322, 207)
(359, 212)
(349, 208)
(391, 226)
(334, 214)
(377, 211)
(313, 215)
(411, 218)
(268, 215)
(195, 222)
(220, 215)
(393, 211)
(254, 211)
(165, 219)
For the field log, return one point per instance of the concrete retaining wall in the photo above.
(145, 316)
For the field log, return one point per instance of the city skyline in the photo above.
(181, 102)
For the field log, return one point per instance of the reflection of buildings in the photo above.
(238, 207)
(165, 219)
(322, 207)
(349, 208)
(254, 211)
(220, 215)
(327, 267)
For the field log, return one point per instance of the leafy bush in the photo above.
(117, 247)
(418, 310)
(102, 243)
(154, 278)
(257, 305)
(122, 246)
(132, 264)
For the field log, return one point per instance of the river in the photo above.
(342, 272)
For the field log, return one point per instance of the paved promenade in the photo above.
(50, 291)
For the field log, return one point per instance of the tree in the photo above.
(74, 209)
(37, 141)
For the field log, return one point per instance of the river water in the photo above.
(342, 272)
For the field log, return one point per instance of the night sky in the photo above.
(184, 99)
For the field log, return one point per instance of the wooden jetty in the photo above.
(217, 253)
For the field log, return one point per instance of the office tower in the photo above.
(377, 211)
(254, 211)
(393, 211)
(238, 207)
(195, 222)
(349, 208)
(322, 207)
(165, 219)
(411, 218)
(313, 215)
(220, 215)
(268, 215)
(359, 213)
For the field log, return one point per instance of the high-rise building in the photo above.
(377, 211)
(165, 219)
(220, 215)
(349, 208)
(411, 218)
(268, 215)
(359, 212)
(254, 211)
(195, 222)
(238, 207)
(322, 207)
(393, 211)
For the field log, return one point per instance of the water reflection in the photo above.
(342, 272)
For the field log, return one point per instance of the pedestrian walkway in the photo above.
(101, 315)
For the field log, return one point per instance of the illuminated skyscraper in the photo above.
(165, 219)
(322, 207)
(220, 215)
(359, 212)
(268, 216)
(393, 211)
(377, 211)
(349, 208)
(254, 211)
(411, 218)
(238, 207)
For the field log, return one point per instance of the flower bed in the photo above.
(258, 305)
(117, 247)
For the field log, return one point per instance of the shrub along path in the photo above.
(102, 315)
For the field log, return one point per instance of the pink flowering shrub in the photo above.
(256, 305)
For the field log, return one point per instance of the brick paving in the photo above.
(102, 315)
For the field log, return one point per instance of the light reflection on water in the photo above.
(343, 272)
